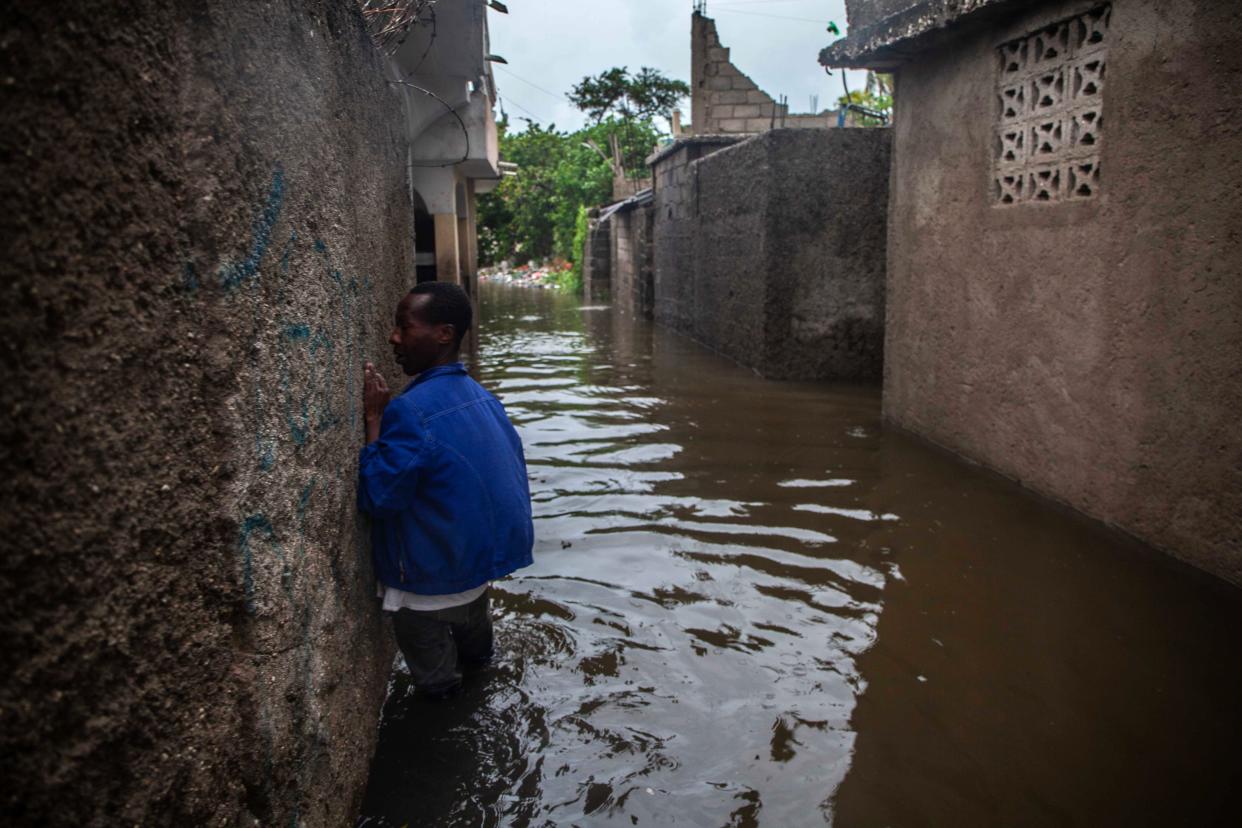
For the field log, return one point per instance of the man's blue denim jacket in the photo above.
(446, 487)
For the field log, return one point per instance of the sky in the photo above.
(550, 45)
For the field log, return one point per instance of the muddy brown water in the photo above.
(752, 604)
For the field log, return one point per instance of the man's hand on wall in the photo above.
(375, 396)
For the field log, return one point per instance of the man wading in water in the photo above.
(443, 478)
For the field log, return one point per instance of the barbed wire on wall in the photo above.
(464, 132)
(389, 21)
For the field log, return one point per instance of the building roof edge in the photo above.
(891, 41)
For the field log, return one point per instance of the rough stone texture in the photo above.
(205, 227)
(1088, 349)
(597, 264)
(883, 34)
(632, 252)
(772, 251)
(675, 225)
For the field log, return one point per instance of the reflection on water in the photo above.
(751, 605)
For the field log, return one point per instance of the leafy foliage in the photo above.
(634, 99)
(643, 97)
(541, 211)
(581, 230)
(533, 215)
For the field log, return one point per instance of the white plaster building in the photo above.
(453, 150)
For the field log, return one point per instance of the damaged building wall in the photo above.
(771, 251)
(723, 100)
(1067, 309)
(206, 226)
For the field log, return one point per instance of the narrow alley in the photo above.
(752, 604)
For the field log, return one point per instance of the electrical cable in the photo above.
(550, 94)
(524, 109)
(774, 16)
(464, 132)
(756, 2)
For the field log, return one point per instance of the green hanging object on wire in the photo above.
(832, 28)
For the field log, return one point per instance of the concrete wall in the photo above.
(597, 264)
(632, 253)
(205, 228)
(772, 251)
(1088, 347)
(864, 13)
(723, 100)
(675, 226)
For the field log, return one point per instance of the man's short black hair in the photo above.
(448, 305)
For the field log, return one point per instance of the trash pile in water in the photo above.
(549, 274)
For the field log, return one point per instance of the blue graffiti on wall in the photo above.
(233, 275)
(308, 405)
(295, 389)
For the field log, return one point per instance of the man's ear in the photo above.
(445, 333)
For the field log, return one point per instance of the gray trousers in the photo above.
(438, 644)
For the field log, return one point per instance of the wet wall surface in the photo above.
(753, 605)
(201, 225)
(1089, 347)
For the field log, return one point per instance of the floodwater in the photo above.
(753, 605)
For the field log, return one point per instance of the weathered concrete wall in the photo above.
(883, 34)
(826, 240)
(864, 13)
(205, 227)
(632, 252)
(675, 225)
(772, 251)
(1086, 346)
(597, 263)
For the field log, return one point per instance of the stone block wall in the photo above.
(597, 261)
(725, 101)
(1068, 312)
(206, 225)
(632, 257)
(675, 224)
(623, 186)
(772, 251)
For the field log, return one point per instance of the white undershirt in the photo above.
(395, 599)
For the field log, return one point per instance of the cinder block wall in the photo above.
(632, 252)
(1085, 343)
(205, 228)
(675, 226)
(724, 100)
(597, 274)
(772, 251)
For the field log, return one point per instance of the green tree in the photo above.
(644, 96)
(571, 279)
(533, 214)
(635, 99)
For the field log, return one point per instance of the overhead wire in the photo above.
(515, 76)
(757, 2)
(774, 16)
(519, 106)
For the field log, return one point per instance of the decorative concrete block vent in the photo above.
(1050, 95)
